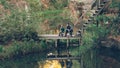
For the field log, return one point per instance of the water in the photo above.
(38, 60)
(35, 60)
(28, 61)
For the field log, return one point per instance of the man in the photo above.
(78, 33)
(68, 30)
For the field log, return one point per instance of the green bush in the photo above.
(21, 48)
(25, 35)
(1, 48)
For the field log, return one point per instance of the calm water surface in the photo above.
(28, 61)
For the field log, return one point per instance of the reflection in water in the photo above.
(27, 61)
(51, 64)
(35, 60)
(30, 61)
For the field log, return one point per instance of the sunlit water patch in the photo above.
(50, 64)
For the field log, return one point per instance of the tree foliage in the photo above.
(20, 24)
(16, 26)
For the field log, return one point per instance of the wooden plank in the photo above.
(56, 37)
(64, 58)
(58, 57)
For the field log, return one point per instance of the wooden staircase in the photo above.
(98, 11)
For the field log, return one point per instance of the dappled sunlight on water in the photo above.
(51, 64)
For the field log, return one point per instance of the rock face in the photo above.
(110, 52)
(112, 42)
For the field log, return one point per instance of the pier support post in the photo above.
(68, 45)
(81, 62)
(57, 46)
(56, 43)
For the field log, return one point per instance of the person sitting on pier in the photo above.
(68, 30)
(61, 31)
(78, 33)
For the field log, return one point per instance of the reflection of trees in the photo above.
(27, 61)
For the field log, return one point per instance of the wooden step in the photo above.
(101, 5)
(99, 8)
(87, 23)
(104, 2)
(89, 20)
(94, 14)
(91, 17)
(96, 11)
(84, 25)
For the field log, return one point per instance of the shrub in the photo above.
(21, 48)
(1, 48)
